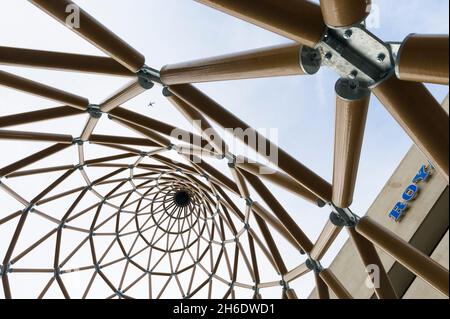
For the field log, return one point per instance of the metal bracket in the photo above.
(357, 54)
(343, 217)
(314, 265)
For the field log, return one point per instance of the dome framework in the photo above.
(181, 214)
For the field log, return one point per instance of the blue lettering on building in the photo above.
(411, 192)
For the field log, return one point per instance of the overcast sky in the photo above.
(169, 31)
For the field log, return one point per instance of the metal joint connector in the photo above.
(79, 167)
(29, 208)
(284, 284)
(343, 217)
(148, 76)
(94, 111)
(4, 270)
(57, 272)
(314, 265)
(166, 92)
(231, 158)
(77, 141)
(357, 54)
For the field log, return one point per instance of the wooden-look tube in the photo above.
(421, 116)
(89, 128)
(297, 272)
(109, 139)
(146, 122)
(273, 249)
(289, 223)
(36, 136)
(129, 91)
(61, 61)
(321, 287)
(298, 20)
(93, 31)
(152, 135)
(334, 284)
(344, 13)
(240, 182)
(35, 88)
(367, 252)
(407, 255)
(275, 223)
(226, 119)
(197, 119)
(291, 294)
(279, 178)
(214, 173)
(37, 116)
(352, 104)
(280, 60)
(33, 158)
(325, 240)
(424, 58)
(40, 171)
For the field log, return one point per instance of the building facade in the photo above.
(421, 206)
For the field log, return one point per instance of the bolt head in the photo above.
(353, 74)
(348, 34)
(381, 57)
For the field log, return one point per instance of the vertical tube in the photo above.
(352, 104)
